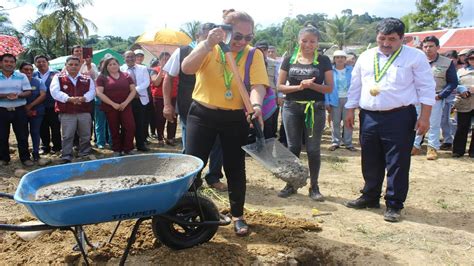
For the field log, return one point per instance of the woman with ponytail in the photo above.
(309, 76)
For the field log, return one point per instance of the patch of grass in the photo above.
(362, 229)
(442, 203)
(335, 162)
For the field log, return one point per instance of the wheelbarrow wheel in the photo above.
(178, 236)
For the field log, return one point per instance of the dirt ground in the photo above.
(437, 226)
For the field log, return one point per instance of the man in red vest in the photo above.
(74, 94)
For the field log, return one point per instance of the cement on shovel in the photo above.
(280, 162)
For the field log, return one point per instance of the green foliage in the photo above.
(341, 30)
(6, 26)
(436, 14)
(191, 29)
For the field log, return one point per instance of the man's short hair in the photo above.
(206, 27)
(70, 58)
(390, 25)
(7, 55)
(431, 38)
(263, 44)
(41, 56)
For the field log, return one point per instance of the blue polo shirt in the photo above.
(16, 83)
(36, 87)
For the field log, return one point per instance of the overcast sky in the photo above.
(133, 17)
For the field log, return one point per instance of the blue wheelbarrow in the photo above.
(180, 219)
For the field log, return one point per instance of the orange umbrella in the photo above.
(164, 37)
(10, 45)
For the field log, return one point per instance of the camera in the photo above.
(225, 27)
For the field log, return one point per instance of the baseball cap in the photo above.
(463, 52)
(339, 53)
(262, 44)
(139, 51)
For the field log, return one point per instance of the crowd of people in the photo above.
(404, 96)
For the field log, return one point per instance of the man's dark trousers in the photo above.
(386, 140)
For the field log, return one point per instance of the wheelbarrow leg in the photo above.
(131, 240)
(196, 197)
(115, 231)
(80, 244)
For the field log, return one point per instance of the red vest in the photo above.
(81, 88)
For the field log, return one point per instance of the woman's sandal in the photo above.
(241, 228)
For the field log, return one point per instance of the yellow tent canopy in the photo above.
(164, 37)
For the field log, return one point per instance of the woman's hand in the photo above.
(307, 83)
(257, 113)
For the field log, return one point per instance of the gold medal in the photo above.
(228, 95)
(375, 91)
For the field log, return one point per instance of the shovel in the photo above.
(269, 152)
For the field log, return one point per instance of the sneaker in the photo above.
(446, 146)
(431, 154)
(219, 186)
(392, 215)
(287, 191)
(362, 203)
(333, 147)
(351, 148)
(315, 195)
(28, 163)
(64, 161)
(100, 147)
(415, 151)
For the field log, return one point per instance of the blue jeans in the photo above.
(101, 128)
(294, 120)
(215, 158)
(448, 127)
(35, 126)
(435, 126)
(338, 115)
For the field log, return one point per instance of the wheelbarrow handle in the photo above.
(6, 195)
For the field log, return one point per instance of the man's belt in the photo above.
(391, 110)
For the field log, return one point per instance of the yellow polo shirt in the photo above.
(210, 87)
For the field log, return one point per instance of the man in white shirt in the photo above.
(141, 77)
(387, 81)
(73, 93)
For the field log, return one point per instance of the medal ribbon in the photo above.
(380, 73)
(228, 75)
(297, 52)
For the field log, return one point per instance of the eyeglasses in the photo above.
(239, 36)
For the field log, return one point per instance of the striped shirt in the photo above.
(16, 83)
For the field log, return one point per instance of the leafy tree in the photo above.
(191, 29)
(436, 14)
(340, 30)
(65, 20)
(6, 26)
(291, 28)
(316, 19)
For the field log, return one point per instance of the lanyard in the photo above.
(228, 75)
(380, 73)
(297, 52)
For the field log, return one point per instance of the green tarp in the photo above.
(59, 62)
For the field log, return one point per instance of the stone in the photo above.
(44, 161)
(28, 236)
(20, 172)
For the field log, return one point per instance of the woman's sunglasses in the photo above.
(238, 37)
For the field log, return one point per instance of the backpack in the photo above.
(269, 105)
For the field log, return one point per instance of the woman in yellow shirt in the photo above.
(218, 110)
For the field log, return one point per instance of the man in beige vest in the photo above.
(444, 73)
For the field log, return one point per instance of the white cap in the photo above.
(339, 53)
(139, 51)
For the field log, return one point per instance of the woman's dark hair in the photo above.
(103, 69)
(163, 54)
(391, 25)
(310, 29)
(22, 65)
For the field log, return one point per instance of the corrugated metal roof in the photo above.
(450, 39)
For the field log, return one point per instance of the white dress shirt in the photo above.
(409, 80)
(141, 77)
(60, 96)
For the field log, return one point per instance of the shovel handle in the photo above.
(233, 67)
(258, 128)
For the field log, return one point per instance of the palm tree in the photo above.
(65, 20)
(6, 26)
(340, 30)
(191, 29)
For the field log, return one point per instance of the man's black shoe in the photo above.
(456, 155)
(143, 149)
(362, 203)
(287, 191)
(446, 146)
(392, 215)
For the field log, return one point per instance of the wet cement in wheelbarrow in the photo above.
(167, 169)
